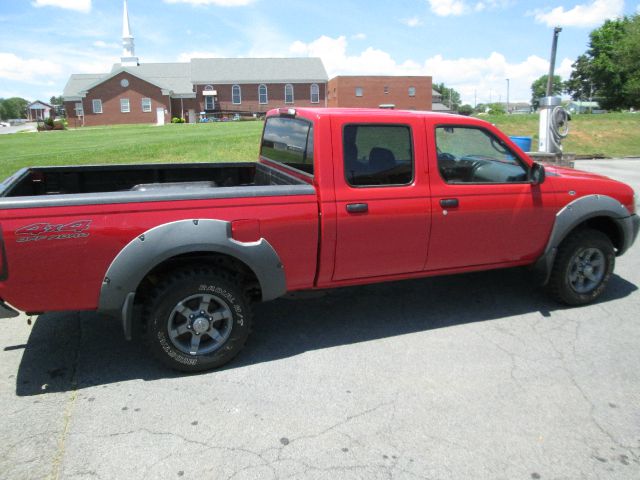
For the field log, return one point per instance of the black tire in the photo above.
(197, 319)
(583, 266)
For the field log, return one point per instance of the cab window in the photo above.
(377, 155)
(473, 155)
(289, 141)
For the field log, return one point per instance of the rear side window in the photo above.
(289, 141)
(377, 155)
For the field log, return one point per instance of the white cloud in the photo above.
(412, 22)
(638, 8)
(582, 15)
(31, 70)
(79, 5)
(103, 44)
(445, 8)
(359, 36)
(484, 77)
(217, 3)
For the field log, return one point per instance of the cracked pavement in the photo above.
(473, 376)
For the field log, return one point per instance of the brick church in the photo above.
(134, 92)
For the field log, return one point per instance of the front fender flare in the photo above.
(572, 215)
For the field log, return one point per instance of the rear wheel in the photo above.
(197, 319)
(583, 267)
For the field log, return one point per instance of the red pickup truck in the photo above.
(339, 197)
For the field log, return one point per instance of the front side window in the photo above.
(263, 97)
(236, 97)
(124, 105)
(377, 155)
(97, 105)
(412, 91)
(79, 109)
(473, 155)
(359, 91)
(288, 93)
(208, 102)
(315, 93)
(146, 104)
(289, 141)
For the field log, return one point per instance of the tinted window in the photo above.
(289, 141)
(473, 155)
(378, 155)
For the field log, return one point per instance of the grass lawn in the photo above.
(173, 143)
(613, 135)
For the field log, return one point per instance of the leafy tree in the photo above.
(580, 83)
(14, 107)
(611, 66)
(496, 109)
(465, 109)
(450, 97)
(56, 100)
(539, 89)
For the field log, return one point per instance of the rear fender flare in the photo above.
(163, 242)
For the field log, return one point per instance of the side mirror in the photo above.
(537, 174)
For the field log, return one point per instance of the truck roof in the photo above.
(374, 113)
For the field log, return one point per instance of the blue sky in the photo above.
(472, 45)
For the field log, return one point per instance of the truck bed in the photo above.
(85, 185)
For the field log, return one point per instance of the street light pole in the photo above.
(507, 96)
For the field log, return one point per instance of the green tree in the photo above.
(611, 66)
(450, 97)
(496, 109)
(539, 89)
(580, 83)
(56, 100)
(465, 109)
(14, 107)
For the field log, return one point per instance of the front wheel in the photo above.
(583, 267)
(197, 319)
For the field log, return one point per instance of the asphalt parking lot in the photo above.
(475, 376)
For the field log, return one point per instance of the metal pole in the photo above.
(552, 64)
(507, 96)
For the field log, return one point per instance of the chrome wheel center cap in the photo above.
(200, 325)
(588, 270)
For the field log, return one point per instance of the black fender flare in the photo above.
(572, 215)
(146, 251)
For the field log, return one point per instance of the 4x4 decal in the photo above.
(51, 231)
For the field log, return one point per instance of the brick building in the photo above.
(406, 93)
(135, 92)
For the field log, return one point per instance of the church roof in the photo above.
(257, 70)
(79, 82)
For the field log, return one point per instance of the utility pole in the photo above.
(552, 65)
(507, 96)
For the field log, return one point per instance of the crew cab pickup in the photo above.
(178, 252)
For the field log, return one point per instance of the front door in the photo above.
(485, 210)
(382, 197)
(160, 116)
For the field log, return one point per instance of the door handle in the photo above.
(449, 202)
(357, 207)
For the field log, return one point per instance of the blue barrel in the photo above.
(523, 142)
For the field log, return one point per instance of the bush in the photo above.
(177, 120)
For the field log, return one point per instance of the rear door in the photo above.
(382, 196)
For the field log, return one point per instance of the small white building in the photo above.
(39, 111)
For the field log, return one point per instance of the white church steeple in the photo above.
(128, 58)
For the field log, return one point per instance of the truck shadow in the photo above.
(75, 350)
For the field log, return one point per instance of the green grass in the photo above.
(174, 143)
(611, 134)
